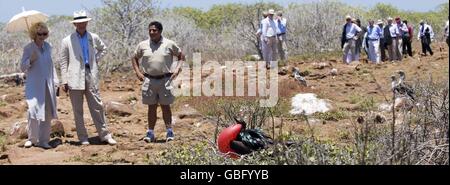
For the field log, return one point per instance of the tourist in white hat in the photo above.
(383, 47)
(80, 53)
(269, 34)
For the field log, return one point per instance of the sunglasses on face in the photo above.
(42, 34)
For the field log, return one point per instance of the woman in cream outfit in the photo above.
(41, 81)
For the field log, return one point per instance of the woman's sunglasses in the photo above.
(42, 34)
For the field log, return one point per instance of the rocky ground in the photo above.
(347, 89)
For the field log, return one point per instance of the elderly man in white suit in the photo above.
(80, 53)
(269, 35)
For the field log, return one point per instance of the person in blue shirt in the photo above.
(374, 34)
(281, 35)
(80, 54)
(383, 47)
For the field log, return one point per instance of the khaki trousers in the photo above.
(95, 108)
(270, 49)
(394, 52)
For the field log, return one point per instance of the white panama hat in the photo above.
(80, 16)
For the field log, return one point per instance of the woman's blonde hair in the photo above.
(35, 28)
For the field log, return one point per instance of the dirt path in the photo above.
(351, 82)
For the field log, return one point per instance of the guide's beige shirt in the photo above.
(157, 58)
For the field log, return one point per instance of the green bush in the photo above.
(304, 151)
(334, 115)
(367, 104)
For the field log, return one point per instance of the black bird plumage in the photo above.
(249, 140)
(406, 90)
